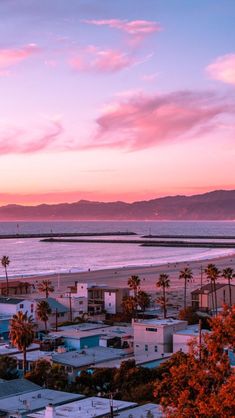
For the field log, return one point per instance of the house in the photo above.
(202, 298)
(144, 411)
(11, 306)
(19, 397)
(182, 338)
(102, 297)
(16, 287)
(85, 408)
(76, 305)
(74, 361)
(155, 336)
(59, 313)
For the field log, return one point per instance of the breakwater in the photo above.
(66, 234)
(179, 244)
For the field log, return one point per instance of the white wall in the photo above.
(82, 290)
(110, 302)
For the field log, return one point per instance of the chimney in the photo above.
(50, 411)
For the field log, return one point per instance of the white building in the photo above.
(12, 306)
(182, 338)
(102, 297)
(155, 336)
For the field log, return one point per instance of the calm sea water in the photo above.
(30, 256)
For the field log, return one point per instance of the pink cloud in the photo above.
(143, 121)
(12, 140)
(223, 69)
(138, 29)
(11, 57)
(93, 59)
(150, 77)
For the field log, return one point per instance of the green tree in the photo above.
(45, 286)
(188, 314)
(164, 283)
(5, 263)
(22, 333)
(43, 311)
(129, 305)
(186, 275)
(212, 273)
(143, 300)
(228, 274)
(8, 368)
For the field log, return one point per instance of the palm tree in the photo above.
(213, 273)
(163, 282)
(229, 275)
(22, 333)
(143, 300)
(185, 274)
(134, 284)
(46, 286)
(43, 311)
(5, 263)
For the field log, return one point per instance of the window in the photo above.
(80, 302)
(110, 304)
(155, 349)
(151, 329)
(146, 347)
(21, 306)
(137, 345)
(109, 293)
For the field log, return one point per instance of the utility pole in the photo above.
(56, 319)
(70, 307)
(111, 406)
(200, 295)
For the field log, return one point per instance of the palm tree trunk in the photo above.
(7, 282)
(230, 293)
(212, 296)
(215, 292)
(47, 293)
(24, 361)
(185, 283)
(164, 299)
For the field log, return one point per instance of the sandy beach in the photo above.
(148, 275)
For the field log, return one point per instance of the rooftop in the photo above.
(159, 322)
(16, 386)
(54, 304)
(87, 408)
(11, 301)
(88, 356)
(35, 400)
(143, 411)
(105, 331)
(207, 288)
(192, 330)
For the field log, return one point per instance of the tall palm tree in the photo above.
(22, 333)
(46, 286)
(228, 274)
(134, 284)
(143, 300)
(185, 274)
(5, 263)
(164, 283)
(43, 311)
(213, 273)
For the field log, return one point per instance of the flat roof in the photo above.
(35, 355)
(104, 331)
(159, 322)
(11, 301)
(87, 408)
(35, 400)
(88, 356)
(7, 349)
(16, 386)
(192, 330)
(142, 411)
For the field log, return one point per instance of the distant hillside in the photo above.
(217, 205)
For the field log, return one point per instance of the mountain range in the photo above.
(216, 205)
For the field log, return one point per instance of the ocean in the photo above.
(30, 256)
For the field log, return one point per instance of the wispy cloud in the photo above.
(150, 77)
(137, 29)
(10, 57)
(142, 121)
(98, 60)
(13, 140)
(223, 69)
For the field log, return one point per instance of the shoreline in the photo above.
(118, 276)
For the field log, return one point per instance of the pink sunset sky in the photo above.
(115, 100)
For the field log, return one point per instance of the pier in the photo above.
(66, 234)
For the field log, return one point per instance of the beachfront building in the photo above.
(182, 338)
(16, 287)
(77, 305)
(102, 297)
(202, 297)
(154, 337)
(11, 306)
(59, 313)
